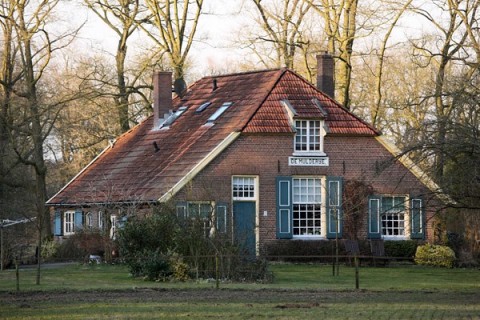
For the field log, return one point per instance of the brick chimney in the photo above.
(325, 74)
(162, 96)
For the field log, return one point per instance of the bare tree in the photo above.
(449, 48)
(340, 26)
(29, 47)
(174, 25)
(123, 17)
(282, 27)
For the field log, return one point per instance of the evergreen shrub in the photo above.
(435, 255)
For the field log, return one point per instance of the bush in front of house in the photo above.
(145, 245)
(79, 246)
(435, 255)
(164, 247)
(401, 248)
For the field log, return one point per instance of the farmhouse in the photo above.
(263, 156)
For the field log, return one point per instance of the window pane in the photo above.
(307, 206)
(243, 188)
(393, 216)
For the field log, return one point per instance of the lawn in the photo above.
(303, 291)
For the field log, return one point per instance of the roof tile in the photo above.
(133, 170)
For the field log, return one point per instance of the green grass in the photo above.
(287, 276)
(303, 291)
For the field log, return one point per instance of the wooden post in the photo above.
(17, 275)
(217, 271)
(357, 279)
(1, 247)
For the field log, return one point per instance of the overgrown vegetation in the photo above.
(164, 247)
(78, 246)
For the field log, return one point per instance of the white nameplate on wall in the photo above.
(308, 161)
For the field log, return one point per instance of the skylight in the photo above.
(219, 112)
(203, 107)
(174, 116)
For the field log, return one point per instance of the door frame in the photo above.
(255, 199)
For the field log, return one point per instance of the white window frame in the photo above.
(89, 220)
(221, 228)
(207, 221)
(244, 181)
(68, 223)
(100, 220)
(309, 199)
(395, 213)
(113, 229)
(309, 137)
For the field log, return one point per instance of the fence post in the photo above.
(17, 275)
(357, 279)
(217, 272)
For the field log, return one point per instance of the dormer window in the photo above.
(309, 137)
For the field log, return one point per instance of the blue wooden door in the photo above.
(244, 222)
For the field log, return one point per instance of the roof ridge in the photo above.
(241, 73)
(281, 72)
(338, 104)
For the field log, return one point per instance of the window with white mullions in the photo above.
(69, 223)
(202, 212)
(307, 207)
(89, 220)
(393, 216)
(308, 137)
(243, 188)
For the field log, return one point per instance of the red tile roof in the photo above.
(132, 170)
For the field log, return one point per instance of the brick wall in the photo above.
(266, 156)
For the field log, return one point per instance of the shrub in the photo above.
(402, 248)
(179, 268)
(145, 243)
(49, 249)
(161, 246)
(435, 255)
(82, 244)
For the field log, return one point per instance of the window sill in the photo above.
(395, 238)
(309, 237)
(308, 154)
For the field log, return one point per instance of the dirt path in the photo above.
(227, 295)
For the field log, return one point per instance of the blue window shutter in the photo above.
(284, 207)
(334, 207)
(78, 222)
(374, 220)
(417, 221)
(221, 216)
(57, 224)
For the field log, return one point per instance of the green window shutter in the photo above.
(417, 221)
(57, 223)
(181, 209)
(78, 220)
(374, 220)
(284, 207)
(221, 216)
(334, 207)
